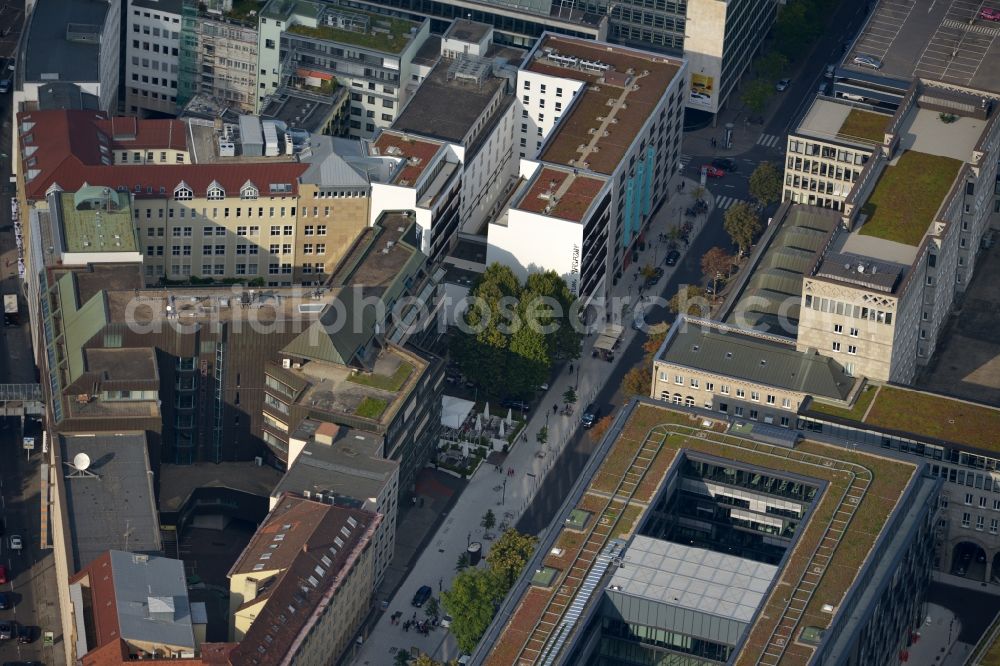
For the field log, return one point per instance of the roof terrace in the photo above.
(622, 87)
(414, 154)
(97, 219)
(561, 193)
(838, 120)
(633, 469)
(350, 25)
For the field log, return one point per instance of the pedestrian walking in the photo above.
(555, 408)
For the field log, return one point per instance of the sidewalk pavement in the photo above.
(937, 641)
(529, 461)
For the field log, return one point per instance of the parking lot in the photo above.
(967, 363)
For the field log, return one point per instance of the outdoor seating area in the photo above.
(469, 434)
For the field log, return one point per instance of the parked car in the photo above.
(25, 634)
(867, 61)
(513, 403)
(989, 14)
(782, 85)
(724, 163)
(5, 601)
(422, 595)
(6, 630)
(15, 542)
(4, 578)
(590, 416)
(828, 72)
(713, 172)
(672, 258)
(655, 277)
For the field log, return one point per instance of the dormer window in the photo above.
(249, 191)
(183, 193)
(215, 192)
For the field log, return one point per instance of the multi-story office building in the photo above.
(882, 288)
(828, 150)
(351, 366)
(682, 543)
(344, 466)
(371, 54)
(303, 585)
(152, 52)
(599, 138)
(718, 39)
(201, 209)
(177, 49)
(744, 373)
(74, 41)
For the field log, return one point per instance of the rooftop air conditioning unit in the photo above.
(286, 363)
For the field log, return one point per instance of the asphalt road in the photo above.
(564, 474)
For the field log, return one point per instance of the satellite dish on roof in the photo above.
(81, 461)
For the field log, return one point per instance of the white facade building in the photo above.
(152, 43)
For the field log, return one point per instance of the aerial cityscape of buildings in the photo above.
(440, 332)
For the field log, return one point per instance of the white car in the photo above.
(868, 61)
(15, 542)
(446, 620)
(782, 85)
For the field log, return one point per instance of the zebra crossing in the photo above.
(684, 161)
(769, 140)
(724, 203)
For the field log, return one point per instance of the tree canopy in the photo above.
(470, 601)
(513, 332)
(756, 95)
(690, 300)
(765, 183)
(742, 224)
(509, 555)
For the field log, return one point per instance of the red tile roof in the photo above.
(571, 204)
(70, 148)
(303, 534)
(131, 132)
(417, 152)
(116, 654)
(104, 605)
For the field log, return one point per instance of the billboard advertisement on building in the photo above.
(702, 91)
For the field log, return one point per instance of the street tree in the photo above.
(402, 657)
(742, 224)
(756, 95)
(638, 379)
(794, 30)
(716, 263)
(690, 300)
(489, 520)
(509, 555)
(543, 435)
(470, 603)
(432, 609)
(424, 659)
(765, 184)
(569, 397)
(648, 272)
(772, 65)
(463, 561)
(698, 192)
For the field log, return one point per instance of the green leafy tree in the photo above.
(716, 263)
(569, 397)
(470, 602)
(698, 192)
(742, 224)
(432, 609)
(647, 271)
(402, 657)
(637, 381)
(756, 95)
(543, 435)
(690, 300)
(463, 562)
(489, 520)
(765, 184)
(795, 29)
(509, 555)
(772, 65)
(513, 332)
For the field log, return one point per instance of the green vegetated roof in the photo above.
(386, 34)
(907, 196)
(936, 416)
(866, 125)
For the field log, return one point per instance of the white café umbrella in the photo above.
(510, 419)
(486, 411)
(479, 423)
(503, 431)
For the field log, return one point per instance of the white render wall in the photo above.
(531, 242)
(486, 175)
(160, 28)
(537, 111)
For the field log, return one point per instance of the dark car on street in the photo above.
(5, 602)
(422, 595)
(655, 277)
(672, 257)
(590, 416)
(25, 634)
(724, 163)
(6, 630)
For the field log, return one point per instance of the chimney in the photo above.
(326, 433)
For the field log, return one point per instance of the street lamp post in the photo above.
(468, 540)
(503, 496)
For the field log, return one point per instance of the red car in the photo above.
(713, 172)
(3, 574)
(989, 14)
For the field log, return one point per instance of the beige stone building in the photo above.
(303, 585)
(743, 373)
